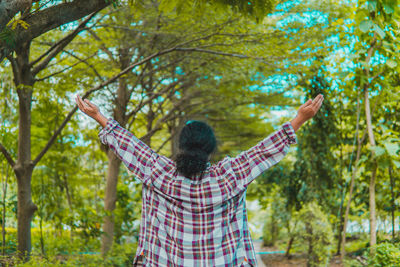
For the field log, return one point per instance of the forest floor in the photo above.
(279, 260)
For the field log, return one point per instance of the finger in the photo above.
(319, 104)
(317, 100)
(90, 104)
(80, 106)
(83, 102)
(309, 102)
(80, 103)
(306, 104)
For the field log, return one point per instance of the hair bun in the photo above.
(196, 143)
(191, 162)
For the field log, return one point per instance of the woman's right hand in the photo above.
(307, 111)
(310, 108)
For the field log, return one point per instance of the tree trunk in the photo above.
(372, 208)
(114, 163)
(393, 198)
(353, 176)
(346, 215)
(24, 167)
(3, 225)
(310, 256)
(109, 201)
(26, 209)
(291, 240)
(342, 193)
(372, 182)
(289, 247)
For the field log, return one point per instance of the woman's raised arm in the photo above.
(91, 110)
(249, 164)
(135, 154)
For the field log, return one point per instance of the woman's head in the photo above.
(196, 143)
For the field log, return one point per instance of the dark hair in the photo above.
(196, 142)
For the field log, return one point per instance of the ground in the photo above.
(279, 260)
(298, 261)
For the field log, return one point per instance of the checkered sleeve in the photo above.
(251, 163)
(134, 153)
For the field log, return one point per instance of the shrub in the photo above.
(271, 231)
(314, 231)
(386, 254)
(119, 256)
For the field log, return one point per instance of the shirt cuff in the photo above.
(111, 124)
(290, 133)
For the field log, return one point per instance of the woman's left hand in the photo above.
(91, 110)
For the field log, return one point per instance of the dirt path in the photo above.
(279, 260)
(257, 247)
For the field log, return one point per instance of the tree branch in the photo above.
(103, 46)
(9, 8)
(66, 68)
(164, 143)
(194, 49)
(59, 46)
(165, 118)
(45, 20)
(89, 92)
(7, 155)
(87, 63)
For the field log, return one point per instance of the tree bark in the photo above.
(24, 167)
(3, 225)
(372, 205)
(289, 247)
(346, 216)
(26, 209)
(9, 8)
(109, 201)
(47, 19)
(393, 198)
(114, 163)
(353, 176)
(310, 257)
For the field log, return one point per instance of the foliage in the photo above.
(386, 254)
(272, 229)
(240, 76)
(315, 232)
(68, 250)
(313, 175)
(119, 256)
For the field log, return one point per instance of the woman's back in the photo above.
(196, 220)
(191, 222)
(201, 220)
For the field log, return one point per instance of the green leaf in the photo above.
(392, 148)
(168, 5)
(362, 159)
(343, 74)
(396, 163)
(387, 44)
(379, 31)
(366, 25)
(371, 6)
(362, 51)
(391, 63)
(379, 151)
(388, 9)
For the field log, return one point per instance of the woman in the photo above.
(194, 213)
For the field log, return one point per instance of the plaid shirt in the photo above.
(201, 221)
